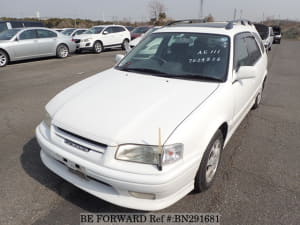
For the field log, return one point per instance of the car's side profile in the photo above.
(28, 43)
(145, 133)
(98, 38)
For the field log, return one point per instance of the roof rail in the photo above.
(231, 23)
(187, 21)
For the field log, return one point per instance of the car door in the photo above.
(108, 36)
(244, 90)
(46, 42)
(26, 45)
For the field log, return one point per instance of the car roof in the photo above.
(225, 28)
(108, 25)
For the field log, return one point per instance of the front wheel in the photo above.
(3, 58)
(62, 51)
(98, 48)
(125, 44)
(258, 99)
(209, 163)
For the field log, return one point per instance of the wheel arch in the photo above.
(7, 53)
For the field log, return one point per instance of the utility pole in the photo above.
(201, 9)
(234, 14)
(241, 14)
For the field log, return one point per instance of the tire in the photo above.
(209, 163)
(3, 58)
(125, 44)
(98, 47)
(258, 97)
(62, 51)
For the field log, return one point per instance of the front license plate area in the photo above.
(75, 168)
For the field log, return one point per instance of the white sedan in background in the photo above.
(150, 130)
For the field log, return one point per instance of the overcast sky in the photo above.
(138, 10)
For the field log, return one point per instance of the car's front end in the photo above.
(84, 42)
(95, 170)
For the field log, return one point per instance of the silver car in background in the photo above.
(27, 43)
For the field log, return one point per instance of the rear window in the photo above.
(262, 30)
(16, 24)
(3, 26)
(33, 24)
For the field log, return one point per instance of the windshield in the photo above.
(68, 32)
(94, 30)
(8, 34)
(180, 55)
(140, 30)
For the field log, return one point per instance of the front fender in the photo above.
(196, 131)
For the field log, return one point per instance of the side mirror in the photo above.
(105, 32)
(119, 57)
(245, 72)
(17, 39)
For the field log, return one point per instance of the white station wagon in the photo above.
(150, 130)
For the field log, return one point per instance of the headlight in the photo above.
(48, 119)
(150, 154)
(86, 40)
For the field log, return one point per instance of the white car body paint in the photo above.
(116, 107)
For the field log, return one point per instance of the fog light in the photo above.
(142, 195)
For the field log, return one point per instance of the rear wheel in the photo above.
(3, 58)
(209, 163)
(98, 48)
(62, 51)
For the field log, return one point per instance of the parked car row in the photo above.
(18, 42)
(269, 35)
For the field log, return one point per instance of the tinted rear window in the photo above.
(33, 24)
(16, 24)
(3, 26)
(262, 30)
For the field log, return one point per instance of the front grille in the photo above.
(77, 41)
(84, 143)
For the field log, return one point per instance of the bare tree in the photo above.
(157, 9)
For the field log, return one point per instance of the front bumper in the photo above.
(84, 45)
(113, 185)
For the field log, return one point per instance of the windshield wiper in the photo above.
(163, 74)
(142, 70)
(196, 77)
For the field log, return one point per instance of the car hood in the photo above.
(82, 36)
(116, 107)
(4, 41)
(135, 41)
